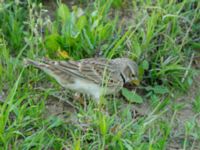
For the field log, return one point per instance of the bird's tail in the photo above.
(28, 62)
(47, 66)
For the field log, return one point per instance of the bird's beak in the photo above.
(136, 81)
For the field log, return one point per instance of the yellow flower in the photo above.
(63, 54)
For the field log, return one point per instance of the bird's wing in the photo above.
(99, 71)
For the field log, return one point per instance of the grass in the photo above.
(161, 36)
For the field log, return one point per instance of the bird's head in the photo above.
(129, 71)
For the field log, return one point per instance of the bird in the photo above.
(92, 76)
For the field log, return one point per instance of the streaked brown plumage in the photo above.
(90, 75)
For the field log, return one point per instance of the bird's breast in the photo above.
(90, 88)
(84, 86)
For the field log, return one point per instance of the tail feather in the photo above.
(48, 67)
(28, 62)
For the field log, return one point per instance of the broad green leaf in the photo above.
(95, 24)
(171, 68)
(131, 96)
(77, 144)
(103, 124)
(105, 31)
(117, 3)
(63, 12)
(51, 42)
(160, 89)
(82, 21)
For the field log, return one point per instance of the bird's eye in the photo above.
(131, 75)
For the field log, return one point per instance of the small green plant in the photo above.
(131, 96)
(78, 32)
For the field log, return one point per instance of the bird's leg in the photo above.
(79, 97)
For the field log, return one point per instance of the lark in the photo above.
(93, 76)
